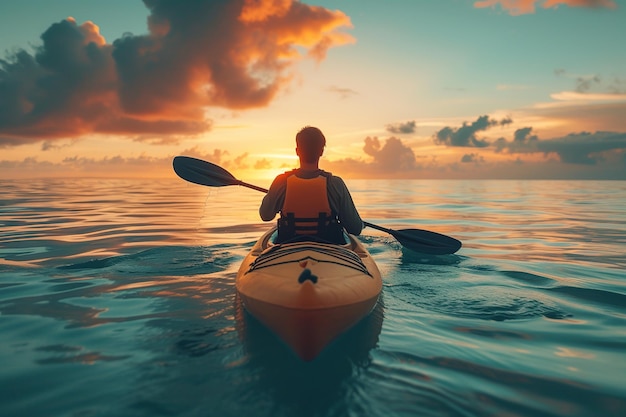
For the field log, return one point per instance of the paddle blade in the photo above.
(425, 241)
(202, 172)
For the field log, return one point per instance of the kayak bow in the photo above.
(308, 292)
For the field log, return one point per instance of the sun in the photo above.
(267, 166)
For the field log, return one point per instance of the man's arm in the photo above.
(341, 201)
(273, 200)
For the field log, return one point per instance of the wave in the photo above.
(164, 260)
(434, 382)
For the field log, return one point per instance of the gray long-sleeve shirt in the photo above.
(339, 199)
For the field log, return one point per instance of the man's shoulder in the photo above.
(330, 175)
(284, 175)
(336, 181)
(281, 179)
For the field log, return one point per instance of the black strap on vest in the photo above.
(327, 228)
(292, 225)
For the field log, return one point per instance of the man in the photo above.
(311, 202)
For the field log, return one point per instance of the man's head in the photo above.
(310, 142)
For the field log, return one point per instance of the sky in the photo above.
(451, 89)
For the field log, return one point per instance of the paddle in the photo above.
(205, 173)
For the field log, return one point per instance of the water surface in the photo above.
(117, 299)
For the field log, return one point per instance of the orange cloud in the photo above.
(90, 32)
(119, 166)
(518, 7)
(233, 54)
(260, 10)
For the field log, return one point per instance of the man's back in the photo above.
(339, 199)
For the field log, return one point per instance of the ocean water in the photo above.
(117, 299)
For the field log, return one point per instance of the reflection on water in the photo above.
(117, 298)
(307, 388)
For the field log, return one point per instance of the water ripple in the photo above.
(126, 290)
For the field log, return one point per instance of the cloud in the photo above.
(594, 83)
(342, 91)
(584, 84)
(263, 164)
(572, 112)
(402, 128)
(576, 148)
(519, 7)
(573, 96)
(599, 155)
(392, 156)
(472, 158)
(115, 166)
(50, 145)
(235, 54)
(512, 87)
(523, 142)
(466, 134)
(585, 148)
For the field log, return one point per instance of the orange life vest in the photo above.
(306, 209)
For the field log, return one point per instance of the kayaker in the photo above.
(311, 201)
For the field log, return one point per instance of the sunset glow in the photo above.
(484, 89)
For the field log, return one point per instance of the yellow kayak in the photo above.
(308, 292)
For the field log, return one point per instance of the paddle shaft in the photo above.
(206, 173)
(263, 190)
(412, 241)
(252, 186)
(375, 226)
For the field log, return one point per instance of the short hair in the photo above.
(310, 141)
